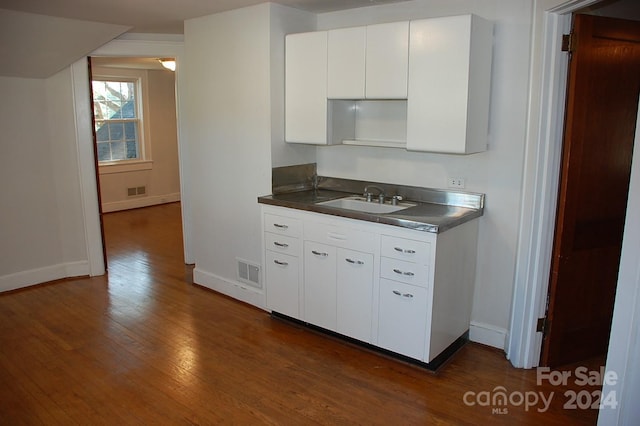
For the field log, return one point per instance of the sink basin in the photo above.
(362, 205)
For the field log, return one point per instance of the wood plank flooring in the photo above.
(143, 345)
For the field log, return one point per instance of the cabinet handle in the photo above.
(407, 295)
(317, 253)
(408, 274)
(277, 262)
(284, 245)
(277, 225)
(407, 251)
(356, 262)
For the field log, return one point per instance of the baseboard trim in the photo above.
(487, 334)
(136, 203)
(233, 289)
(42, 275)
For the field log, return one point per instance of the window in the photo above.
(117, 119)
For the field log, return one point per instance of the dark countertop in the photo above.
(428, 217)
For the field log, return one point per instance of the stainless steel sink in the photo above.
(362, 205)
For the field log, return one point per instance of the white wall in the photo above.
(227, 108)
(497, 172)
(42, 231)
(162, 180)
(61, 137)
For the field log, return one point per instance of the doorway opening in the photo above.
(135, 134)
(600, 121)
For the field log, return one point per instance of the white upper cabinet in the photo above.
(368, 62)
(346, 63)
(449, 84)
(306, 88)
(387, 60)
(422, 85)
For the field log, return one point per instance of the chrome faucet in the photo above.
(368, 194)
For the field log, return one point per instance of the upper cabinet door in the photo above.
(306, 88)
(387, 60)
(449, 84)
(346, 63)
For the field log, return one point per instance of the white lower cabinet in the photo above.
(407, 291)
(338, 289)
(282, 276)
(281, 239)
(402, 325)
(354, 296)
(320, 285)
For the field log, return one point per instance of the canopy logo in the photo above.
(499, 399)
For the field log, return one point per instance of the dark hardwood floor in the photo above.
(143, 345)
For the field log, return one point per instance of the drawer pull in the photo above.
(408, 274)
(407, 295)
(278, 225)
(407, 251)
(317, 253)
(277, 262)
(283, 245)
(355, 262)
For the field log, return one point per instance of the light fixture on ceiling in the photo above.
(168, 63)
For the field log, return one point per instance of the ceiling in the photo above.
(42, 37)
(162, 16)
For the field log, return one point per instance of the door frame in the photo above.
(548, 76)
(129, 45)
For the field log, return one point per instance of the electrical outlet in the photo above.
(455, 182)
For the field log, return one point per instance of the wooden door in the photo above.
(602, 101)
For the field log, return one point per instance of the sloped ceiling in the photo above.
(40, 37)
(38, 46)
(163, 16)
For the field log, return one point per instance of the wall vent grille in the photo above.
(135, 191)
(248, 273)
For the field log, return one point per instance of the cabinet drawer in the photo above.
(339, 236)
(405, 249)
(406, 272)
(282, 225)
(282, 243)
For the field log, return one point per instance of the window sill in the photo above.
(129, 166)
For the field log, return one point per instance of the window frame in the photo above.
(140, 78)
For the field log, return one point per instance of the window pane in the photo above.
(129, 109)
(98, 110)
(116, 131)
(104, 152)
(117, 151)
(102, 132)
(132, 150)
(130, 133)
(114, 110)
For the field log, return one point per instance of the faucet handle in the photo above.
(395, 199)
